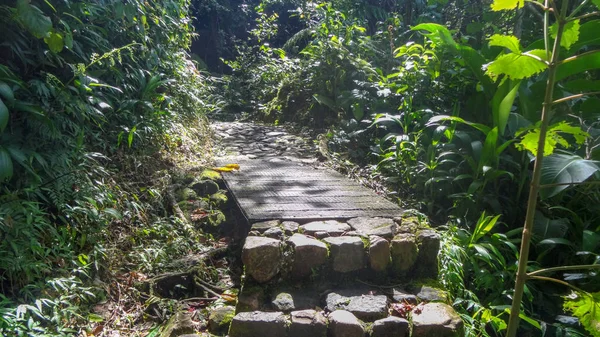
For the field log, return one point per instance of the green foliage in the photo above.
(586, 307)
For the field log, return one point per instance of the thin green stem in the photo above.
(568, 98)
(544, 278)
(585, 16)
(573, 58)
(562, 268)
(576, 10)
(521, 278)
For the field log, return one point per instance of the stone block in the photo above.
(436, 320)
(258, 324)
(390, 327)
(328, 228)
(343, 323)
(263, 226)
(296, 299)
(250, 299)
(308, 254)
(379, 253)
(347, 253)
(429, 247)
(274, 233)
(364, 306)
(383, 227)
(290, 227)
(219, 319)
(404, 252)
(307, 323)
(262, 257)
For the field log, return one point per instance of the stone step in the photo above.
(427, 320)
(404, 249)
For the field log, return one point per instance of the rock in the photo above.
(307, 323)
(379, 253)
(258, 323)
(374, 226)
(430, 294)
(204, 187)
(308, 254)
(250, 299)
(404, 252)
(390, 327)
(179, 324)
(261, 257)
(366, 307)
(188, 206)
(436, 320)
(347, 252)
(274, 233)
(290, 227)
(330, 227)
(287, 301)
(219, 320)
(343, 324)
(186, 194)
(401, 296)
(408, 224)
(429, 247)
(263, 226)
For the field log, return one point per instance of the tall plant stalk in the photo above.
(513, 322)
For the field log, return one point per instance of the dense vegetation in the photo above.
(446, 99)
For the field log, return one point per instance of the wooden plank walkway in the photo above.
(267, 189)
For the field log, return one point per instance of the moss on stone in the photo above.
(210, 174)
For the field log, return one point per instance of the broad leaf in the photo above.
(324, 100)
(55, 42)
(6, 92)
(597, 3)
(502, 103)
(544, 228)
(507, 41)
(588, 36)
(499, 5)
(516, 66)
(578, 65)
(581, 85)
(3, 116)
(586, 307)
(554, 137)
(564, 169)
(436, 119)
(6, 165)
(33, 19)
(570, 33)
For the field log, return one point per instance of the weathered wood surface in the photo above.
(267, 189)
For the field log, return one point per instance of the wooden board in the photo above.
(287, 190)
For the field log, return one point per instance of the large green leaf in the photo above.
(436, 119)
(581, 85)
(588, 36)
(565, 169)
(580, 64)
(6, 92)
(55, 42)
(516, 66)
(544, 227)
(570, 33)
(585, 306)
(499, 5)
(507, 41)
(502, 103)
(554, 137)
(33, 19)
(3, 116)
(6, 165)
(597, 3)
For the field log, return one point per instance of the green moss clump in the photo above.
(211, 175)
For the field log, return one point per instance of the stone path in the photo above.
(350, 264)
(280, 179)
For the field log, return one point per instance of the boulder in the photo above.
(250, 299)
(436, 320)
(429, 294)
(274, 233)
(258, 323)
(308, 254)
(404, 252)
(263, 226)
(186, 194)
(343, 323)
(204, 187)
(390, 327)
(383, 227)
(429, 247)
(291, 300)
(262, 257)
(179, 324)
(328, 228)
(347, 252)
(290, 227)
(219, 319)
(307, 323)
(379, 253)
(364, 306)
(401, 296)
